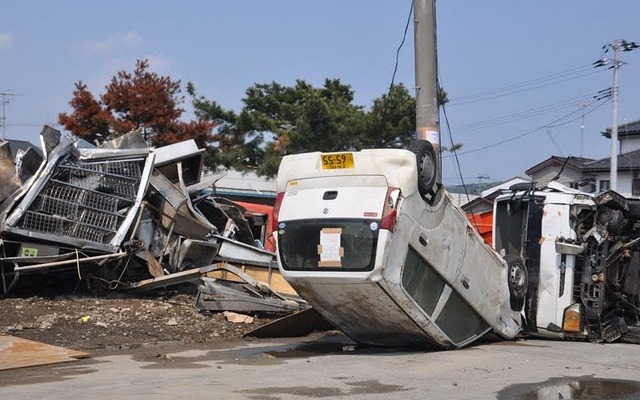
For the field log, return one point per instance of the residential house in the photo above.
(565, 170)
(593, 176)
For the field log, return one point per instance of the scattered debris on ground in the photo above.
(117, 321)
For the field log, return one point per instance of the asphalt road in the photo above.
(330, 366)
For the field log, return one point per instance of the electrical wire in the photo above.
(383, 115)
(525, 114)
(520, 87)
(552, 124)
(525, 83)
(404, 38)
(548, 130)
(455, 154)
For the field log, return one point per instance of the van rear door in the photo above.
(331, 223)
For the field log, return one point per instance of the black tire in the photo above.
(518, 280)
(427, 168)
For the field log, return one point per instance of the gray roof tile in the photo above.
(626, 161)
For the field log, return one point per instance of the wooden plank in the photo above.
(299, 324)
(271, 276)
(171, 279)
(19, 353)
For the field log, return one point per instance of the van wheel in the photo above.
(518, 279)
(426, 160)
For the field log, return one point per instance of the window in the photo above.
(635, 187)
(457, 319)
(300, 247)
(604, 185)
(421, 282)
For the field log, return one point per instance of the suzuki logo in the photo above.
(325, 211)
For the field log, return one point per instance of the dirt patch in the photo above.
(117, 321)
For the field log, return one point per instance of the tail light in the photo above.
(276, 211)
(390, 212)
(572, 318)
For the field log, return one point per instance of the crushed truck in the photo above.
(581, 259)
(377, 247)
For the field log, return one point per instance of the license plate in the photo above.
(337, 161)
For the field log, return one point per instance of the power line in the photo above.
(529, 82)
(504, 93)
(381, 120)
(404, 38)
(524, 114)
(552, 124)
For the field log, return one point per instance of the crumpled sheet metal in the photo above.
(176, 211)
(87, 198)
(88, 206)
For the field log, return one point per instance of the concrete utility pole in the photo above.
(613, 174)
(617, 46)
(426, 60)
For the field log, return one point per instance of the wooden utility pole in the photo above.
(426, 60)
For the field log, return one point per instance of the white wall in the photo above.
(628, 144)
(544, 176)
(624, 182)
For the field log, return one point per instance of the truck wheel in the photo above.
(518, 280)
(426, 160)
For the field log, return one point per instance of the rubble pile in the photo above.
(116, 321)
(123, 216)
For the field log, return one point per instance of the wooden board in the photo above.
(19, 353)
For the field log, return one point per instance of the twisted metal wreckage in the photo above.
(128, 217)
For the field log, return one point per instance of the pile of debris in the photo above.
(124, 216)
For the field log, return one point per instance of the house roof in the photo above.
(577, 163)
(626, 161)
(626, 129)
(247, 183)
(475, 202)
(488, 195)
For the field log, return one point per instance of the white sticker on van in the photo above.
(329, 248)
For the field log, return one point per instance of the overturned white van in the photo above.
(379, 250)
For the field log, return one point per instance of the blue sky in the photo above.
(540, 50)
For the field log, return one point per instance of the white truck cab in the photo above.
(381, 252)
(581, 256)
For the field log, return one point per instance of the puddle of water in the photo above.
(582, 388)
(45, 374)
(352, 389)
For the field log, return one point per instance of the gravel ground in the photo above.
(117, 321)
